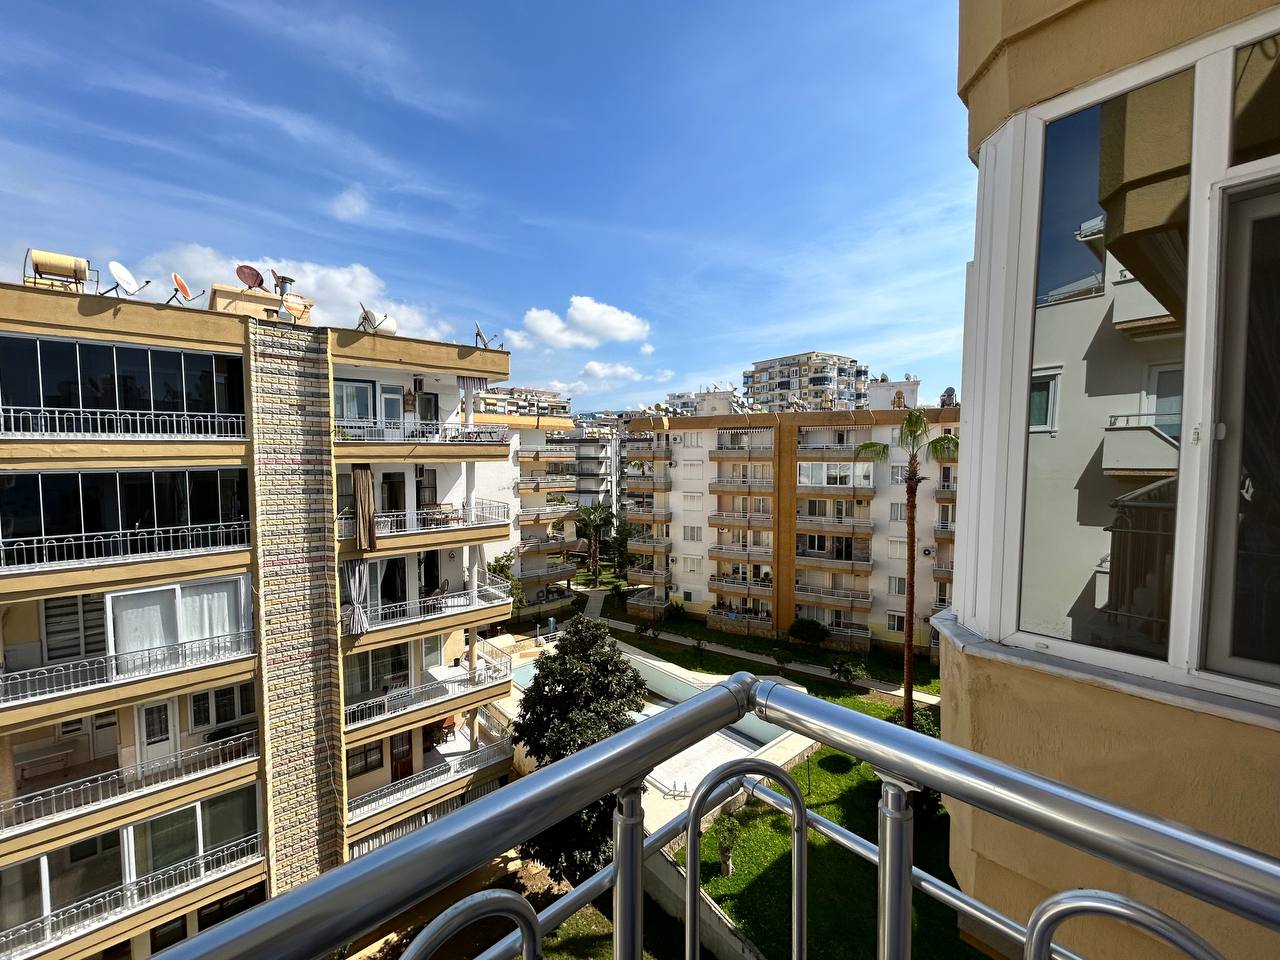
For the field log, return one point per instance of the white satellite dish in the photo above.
(124, 280)
(370, 322)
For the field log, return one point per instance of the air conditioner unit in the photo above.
(419, 384)
(861, 503)
(419, 472)
(927, 551)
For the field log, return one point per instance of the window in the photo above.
(691, 564)
(693, 534)
(692, 439)
(432, 652)
(376, 671)
(186, 613)
(352, 400)
(74, 627)
(898, 586)
(1042, 411)
(688, 596)
(898, 512)
(816, 542)
(346, 495)
(690, 469)
(222, 706)
(760, 505)
(897, 549)
(364, 759)
(692, 501)
(898, 473)
(168, 933)
(896, 622)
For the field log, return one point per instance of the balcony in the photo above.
(551, 482)
(451, 685)
(398, 523)
(738, 552)
(29, 691)
(646, 604)
(649, 545)
(68, 423)
(735, 451)
(735, 621)
(944, 530)
(728, 519)
(641, 483)
(944, 570)
(739, 485)
(850, 631)
(1133, 445)
(494, 596)
(548, 574)
(645, 514)
(828, 560)
(849, 526)
(24, 554)
(114, 903)
(535, 545)
(547, 513)
(648, 451)
(945, 490)
(648, 575)
(739, 586)
(76, 798)
(545, 451)
(833, 597)
(860, 489)
(366, 440)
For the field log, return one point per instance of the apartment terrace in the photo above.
(861, 488)
(848, 526)
(859, 562)
(649, 545)
(724, 519)
(739, 586)
(944, 530)
(645, 514)
(840, 452)
(1134, 445)
(740, 485)
(85, 800)
(548, 574)
(647, 450)
(535, 452)
(368, 439)
(93, 684)
(945, 490)
(649, 575)
(439, 611)
(54, 551)
(724, 450)
(646, 604)
(738, 552)
(74, 423)
(833, 598)
(943, 569)
(640, 482)
(549, 544)
(737, 621)
(432, 527)
(547, 512)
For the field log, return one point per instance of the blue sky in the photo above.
(635, 197)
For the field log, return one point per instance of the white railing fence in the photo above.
(18, 553)
(373, 430)
(71, 423)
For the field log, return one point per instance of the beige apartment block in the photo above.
(819, 381)
(242, 584)
(1116, 611)
(753, 520)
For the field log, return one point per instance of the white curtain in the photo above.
(210, 610)
(141, 621)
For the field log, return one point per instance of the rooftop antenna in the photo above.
(181, 290)
(283, 286)
(250, 277)
(483, 341)
(124, 280)
(370, 322)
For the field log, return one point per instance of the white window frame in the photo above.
(897, 581)
(1053, 376)
(889, 619)
(692, 533)
(242, 587)
(214, 723)
(988, 561)
(898, 511)
(897, 543)
(898, 474)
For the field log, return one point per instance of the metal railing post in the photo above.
(1057, 909)
(893, 931)
(628, 862)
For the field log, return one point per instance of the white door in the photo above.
(1163, 399)
(157, 730)
(104, 734)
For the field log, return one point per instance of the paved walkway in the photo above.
(595, 609)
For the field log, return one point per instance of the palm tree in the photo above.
(914, 437)
(593, 522)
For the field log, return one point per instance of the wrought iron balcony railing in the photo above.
(373, 430)
(482, 513)
(92, 549)
(75, 797)
(73, 675)
(340, 905)
(72, 423)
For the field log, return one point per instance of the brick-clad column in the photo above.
(296, 593)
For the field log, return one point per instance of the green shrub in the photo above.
(850, 670)
(922, 721)
(674, 613)
(810, 631)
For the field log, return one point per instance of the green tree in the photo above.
(618, 550)
(848, 670)
(728, 830)
(593, 523)
(583, 692)
(915, 438)
(501, 566)
(808, 630)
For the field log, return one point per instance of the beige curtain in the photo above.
(366, 521)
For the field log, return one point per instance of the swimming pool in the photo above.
(522, 675)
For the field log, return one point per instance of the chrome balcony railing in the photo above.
(482, 513)
(74, 423)
(89, 549)
(424, 780)
(77, 796)
(373, 430)
(73, 675)
(341, 905)
(103, 907)
(490, 594)
(413, 698)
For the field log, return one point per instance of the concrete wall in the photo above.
(664, 881)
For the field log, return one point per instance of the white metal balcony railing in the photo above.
(77, 796)
(494, 670)
(743, 448)
(815, 445)
(738, 583)
(648, 449)
(742, 483)
(540, 449)
(550, 511)
(318, 917)
(945, 526)
(481, 513)
(547, 480)
(89, 549)
(69, 423)
(858, 484)
(74, 675)
(424, 780)
(830, 557)
(945, 566)
(553, 570)
(373, 430)
(852, 523)
(646, 598)
(105, 906)
(948, 486)
(542, 544)
(494, 593)
(730, 516)
(853, 630)
(649, 542)
(833, 593)
(746, 616)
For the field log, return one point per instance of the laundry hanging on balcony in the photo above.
(355, 578)
(366, 510)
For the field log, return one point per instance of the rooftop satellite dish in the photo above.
(482, 340)
(370, 322)
(125, 285)
(181, 290)
(250, 277)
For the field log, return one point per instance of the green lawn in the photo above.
(881, 665)
(842, 887)
(588, 935)
(607, 577)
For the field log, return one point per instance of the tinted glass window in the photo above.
(230, 817)
(100, 506)
(166, 380)
(228, 374)
(233, 494)
(1255, 128)
(171, 498)
(19, 372)
(60, 496)
(138, 501)
(1110, 304)
(59, 377)
(199, 382)
(20, 506)
(133, 378)
(97, 377)
(203, 485)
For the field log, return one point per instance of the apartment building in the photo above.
(242, 579)
(522, 402)
(807, 381)
(755, 520)
(546, 487)
(597, 444)
(1116, 609)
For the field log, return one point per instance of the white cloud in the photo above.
(518, 339)
(662, 376)
(351, 204)
(578, 386)
(338, 291)
(587, 323)
(601, 371)
(646, 348)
